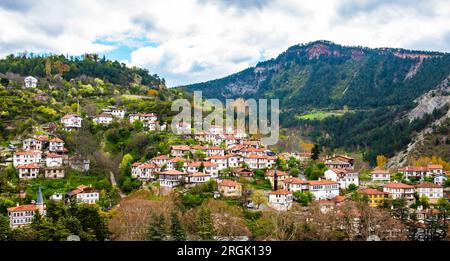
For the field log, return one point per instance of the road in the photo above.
(114, 183)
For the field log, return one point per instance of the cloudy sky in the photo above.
(188, 41)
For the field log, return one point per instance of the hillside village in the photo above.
(251, 183)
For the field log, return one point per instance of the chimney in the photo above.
(275, 179)
(17, 204)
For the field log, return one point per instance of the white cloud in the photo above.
(199, 40)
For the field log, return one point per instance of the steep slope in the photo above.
(354, 97)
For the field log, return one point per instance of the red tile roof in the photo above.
(173, 172)
(30, 207)
(321, 182)
(180, 147)
(295, 181)
(397, 185)
(280, 192)
(270, 172)
(28, 166)
(228, 183)
(428, 185)
(371, 192)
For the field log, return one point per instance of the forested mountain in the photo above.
(71, 67)
(353, 97)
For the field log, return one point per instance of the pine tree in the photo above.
(177, 232)
(205, 228)
(156, 229)
(315, 152)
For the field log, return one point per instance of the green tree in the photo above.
(177, 232)
(315, 152)
(303, 197)
(258, 198)
(5, 229)
(179, 165)
(157, 228)
(205, 228)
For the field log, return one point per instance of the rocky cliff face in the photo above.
(426, 104)
(434, 99)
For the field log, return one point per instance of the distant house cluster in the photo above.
(42, 154)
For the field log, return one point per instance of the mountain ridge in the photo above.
(376, 87)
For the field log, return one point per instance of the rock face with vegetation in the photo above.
(354, 98)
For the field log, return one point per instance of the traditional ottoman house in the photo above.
(84, 194)
(56, 145)
(28, 171)
(35, 143)
(103, 119)
(172, 178)
(24, 215)
(79, 163)
(55, 172)
(230, 188)
(398, 190)
(380, 175)
(26, 157)
(281, 177)
(144, 171)
(295, 184)
(344, 177)
(430, 190)
(280, 199)
(220, 161)
(324, 189)
(197, 178)
(53, 160)
(179, 150)
(339, 162)
(71, 122)
(375, 197)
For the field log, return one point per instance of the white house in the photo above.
(419, 172)
(179, 150)
(197, 178)
(71, 122)
(430, 190)
(103, 119)
(295, 184)
(28, 171)
(213, 150)
(398, 190)
(280, 199)
(24, 215)
(343, 176)
(163, 161)
(233, 160)
(324, 189)
(84, 194)
(380, 175)
(339, 162)
(26, 157)
(56, 145)
(119, 113)
(172, 178)
(221, 161)
(30, 82)
(209, 168)
(53, 160)
(56, 196)
(37, 142)
(144, 171)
